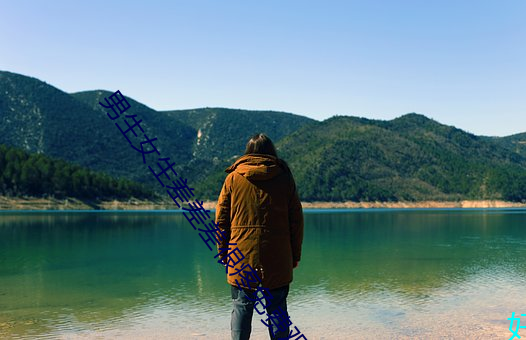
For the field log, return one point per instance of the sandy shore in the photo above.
(31, 203)
(412, 205)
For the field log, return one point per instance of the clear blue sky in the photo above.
(460, 62)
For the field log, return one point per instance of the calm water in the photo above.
(365, 274)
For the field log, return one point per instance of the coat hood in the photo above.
(258, 167)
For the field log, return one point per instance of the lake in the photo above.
(364, 274)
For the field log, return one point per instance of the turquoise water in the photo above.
(377, 274)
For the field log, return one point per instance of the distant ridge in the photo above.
(410, 158)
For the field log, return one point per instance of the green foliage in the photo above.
(342, 158)
(515, 143)
(409, 158)
(37, 175)
(42, 119)
(510, 182)
(225, 132)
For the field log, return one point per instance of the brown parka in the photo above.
(259, 210)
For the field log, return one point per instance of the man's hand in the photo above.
(295, 264)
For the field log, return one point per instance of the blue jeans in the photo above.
(243, 301)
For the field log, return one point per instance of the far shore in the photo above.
(33, 203)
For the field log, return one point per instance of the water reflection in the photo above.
(388, 271)
(410, 251)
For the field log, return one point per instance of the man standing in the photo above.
(261, 218)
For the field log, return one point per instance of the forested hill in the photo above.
(342, 158)
(515, 143)
(223, 133)
(25, 174)
(408, 158)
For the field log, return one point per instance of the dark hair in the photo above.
(260, 143)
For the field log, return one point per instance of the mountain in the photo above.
(408, 158)
(38, 117)
(221, 136)
(515, 143)
(223, 133)
(42, 119)
(342, 158)
(173, 136)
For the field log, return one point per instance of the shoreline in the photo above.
(67, 204)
